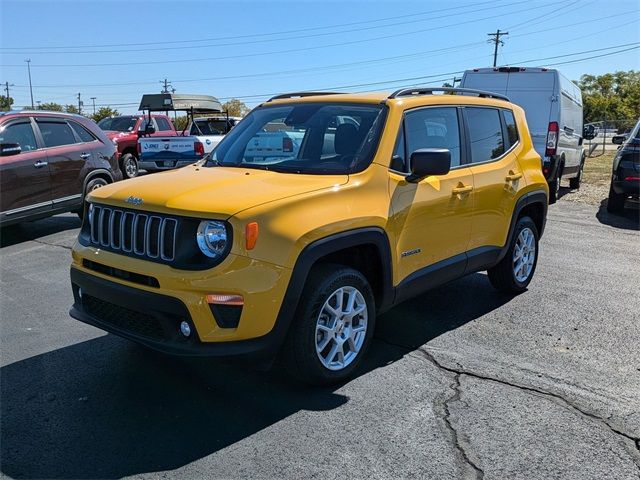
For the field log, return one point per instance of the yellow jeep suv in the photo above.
(316, 213)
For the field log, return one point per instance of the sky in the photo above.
(116, 50)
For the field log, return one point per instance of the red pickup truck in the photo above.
(124, 131)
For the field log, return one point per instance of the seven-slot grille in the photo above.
(144, 234)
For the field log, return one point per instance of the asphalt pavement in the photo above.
(462, 382)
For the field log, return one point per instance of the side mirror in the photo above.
(150, 129)
(589, 132)
(429, 161)
(7, 149)
(618, 139)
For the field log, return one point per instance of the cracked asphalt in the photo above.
(462, 382)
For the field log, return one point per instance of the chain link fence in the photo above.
(605, 131)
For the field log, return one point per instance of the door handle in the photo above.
(512, 177)
(462, 189)
(84, 155)
(40, 164)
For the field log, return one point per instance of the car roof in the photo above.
(17, 113)
(407, 101)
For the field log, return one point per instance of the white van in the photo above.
(553, 107)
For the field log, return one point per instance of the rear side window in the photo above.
(20, 133)
(82, 132)
(512, 130)
(433, 128)
(163, 124)
(56, 134)
(485, 134)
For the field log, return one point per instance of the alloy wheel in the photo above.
(524, 255)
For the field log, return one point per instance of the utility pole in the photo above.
(28, 60)
(456, 79)
(496, 39)
(6, 88)
(166, 86)
(93, 99)
(38, 102)
(80, 104)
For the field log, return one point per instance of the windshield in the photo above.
(209, 127)
(329, 138)
(118, 124)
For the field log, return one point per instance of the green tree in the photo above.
(236, 108)
(180, 123)
(71, 109)
(104, 112)
(612, 96)
(5, 102)
(51, 106)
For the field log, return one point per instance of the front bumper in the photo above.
(164, 164)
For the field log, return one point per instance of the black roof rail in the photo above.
(407, 92)
(301, 95)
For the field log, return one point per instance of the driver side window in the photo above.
(20, 133)
(433, 128)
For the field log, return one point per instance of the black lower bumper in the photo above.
(153, 319)
(626, 187)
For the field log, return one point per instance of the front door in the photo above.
(25, 185)
(431, 219)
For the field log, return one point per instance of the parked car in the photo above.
(553, 107)
(297, 255)
(210, 130)
(49, 161)
(158, 152)
(625, 179)
(124, 131)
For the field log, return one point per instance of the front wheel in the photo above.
(129, 164)
(333, 327)
(515, 271)
(574, 183)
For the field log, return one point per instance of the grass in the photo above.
(597, 170)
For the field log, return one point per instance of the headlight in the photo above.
(212, 238)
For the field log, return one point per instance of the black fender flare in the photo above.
(536, 197)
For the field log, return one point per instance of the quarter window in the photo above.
(512, 130)
(56, 134)
(433, 128)
(485, 134)
(20, 133)
(82, 132)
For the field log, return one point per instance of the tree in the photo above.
(180, 123)
(71, 109)
(612, 96)
(5, 102)
(104, 112)
(236, 108)
(51, 106)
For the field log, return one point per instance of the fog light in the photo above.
(185, 329)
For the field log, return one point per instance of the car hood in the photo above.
(210, 192)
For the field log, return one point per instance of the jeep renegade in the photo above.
(293, 250)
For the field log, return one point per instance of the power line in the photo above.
(294, 50)
(363, 22)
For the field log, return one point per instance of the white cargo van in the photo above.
(553, 107)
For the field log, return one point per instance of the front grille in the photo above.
(141, 234)
(123, 318)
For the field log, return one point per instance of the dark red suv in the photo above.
(49, 161)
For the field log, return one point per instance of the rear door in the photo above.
(24, 177)
(497, 178)
(67, 156)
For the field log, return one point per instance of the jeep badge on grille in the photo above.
(134, 200)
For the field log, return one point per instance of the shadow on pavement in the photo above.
(25, 231)
(629, 219)
(106, 408)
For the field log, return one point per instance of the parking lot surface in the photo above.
(462, 382)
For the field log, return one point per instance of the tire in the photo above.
(129, 165)
(574, 183)
(505, 276)
(554, 186)
(308, 353)
(615, 204)
(95, 182)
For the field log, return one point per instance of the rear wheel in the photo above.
(554, 186)
(93, 184)
(129, 165)
(615, 204)
(333, 327)
(574, 183)
(515, 271)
